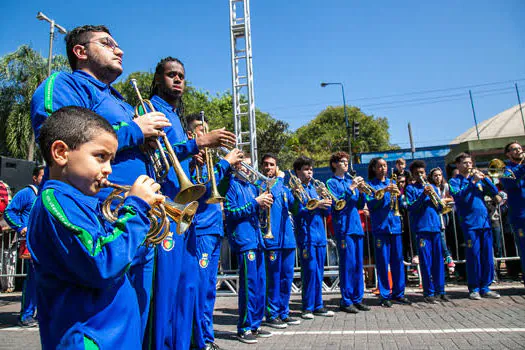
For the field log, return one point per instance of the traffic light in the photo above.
(355, 129)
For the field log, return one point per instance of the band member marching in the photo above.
(386, 228)
(348, 232)
(310, 231)
(424, 207)
(514, 182)
(242, 208)
(469, 188)
(280, 247)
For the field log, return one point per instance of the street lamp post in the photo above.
(61, 30)
(348, 133)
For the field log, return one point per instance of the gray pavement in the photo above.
(460, 324)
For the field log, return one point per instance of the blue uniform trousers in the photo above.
(208, 252)
(186, 301)
(351, 270)
(168, 263)
(279, 278)
(312, 272)
(140, 276)
(431, 263)
(480, 259)
(28, 306)
(252, 284)
(389, 250)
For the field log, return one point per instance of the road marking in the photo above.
(396, 331)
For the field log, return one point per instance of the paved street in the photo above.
(460, 324)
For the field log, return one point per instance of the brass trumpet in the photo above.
(435, 198)
(369, 190)
(394, 203)
(158, 214)
(163, 161)
(300, 193)
(497, 170)
(215, 196)
(325, 193)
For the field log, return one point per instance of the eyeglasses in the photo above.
(104, 42)
(343, 162)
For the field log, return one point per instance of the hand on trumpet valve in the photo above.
(325, 203)
(357, 182)
(146, 189)
(393, 189)
(428, 190)
(265, 200)
(199, 158)
(152, 123)
(234, 157)
(217, 138)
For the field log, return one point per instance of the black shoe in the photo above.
(385, 303)
(247, 337)
(212, 346)
(28, 323)
(323, 312)
(350, 309)
(291, 321)
(403, 300)
(261, 333)
(276, 323)
(430, 300)
(444, 298)
(362, 307)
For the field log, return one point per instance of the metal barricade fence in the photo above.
(11, 267)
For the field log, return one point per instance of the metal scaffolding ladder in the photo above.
(242, 77)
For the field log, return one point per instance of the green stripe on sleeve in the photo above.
(48, 93)
(94, 248)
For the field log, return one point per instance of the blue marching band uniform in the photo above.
(475, 223)
(515, 188)
(349, 235)
(17, 216)
(388, 243)
(426, 223)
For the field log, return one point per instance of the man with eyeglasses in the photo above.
(96, 61)
(514, 183)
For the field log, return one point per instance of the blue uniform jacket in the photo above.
(83, 90)
(310, 229)
(516, 193)
(383, 220)
(281, 223)
(178, 139)
(468, 198)
(17, 212)
(208, 219)
(346, 221)
(80, 263)
(423, 214)
(242, 216)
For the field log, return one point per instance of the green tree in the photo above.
(20, 74)
(327, 134)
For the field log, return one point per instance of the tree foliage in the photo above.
(20, 74)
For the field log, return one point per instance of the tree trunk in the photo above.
(31, 148)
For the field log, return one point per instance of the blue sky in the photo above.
(375, 49)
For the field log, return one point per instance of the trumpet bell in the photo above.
(379, 194)
(446, 210)
(215, 200)
(181, 214)
(340, 204)
(312, 204)
(189, 192)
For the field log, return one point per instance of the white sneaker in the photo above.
(307, 315)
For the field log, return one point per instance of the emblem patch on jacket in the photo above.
(378, 243)
(168, 243)
(422, 243)
(203, 262)
(251, 255)
(272, 255)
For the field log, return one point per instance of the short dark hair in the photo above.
(194, 117)
(400, 160)
(159, 70)
(507, 146)
(269, 155)
(79, 36)
(417, 164)
(336, 157)
(74, 126)
(37, 170)
(372, 166)
(302, 161)
(460, 157)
